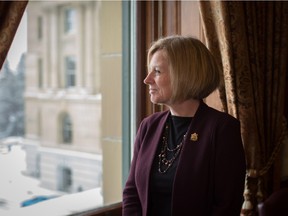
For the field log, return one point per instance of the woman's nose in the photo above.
(148, 79)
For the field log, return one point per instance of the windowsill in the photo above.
(112, 210)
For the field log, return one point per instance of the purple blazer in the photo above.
(210, 176)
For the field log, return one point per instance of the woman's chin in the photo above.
(156, 101)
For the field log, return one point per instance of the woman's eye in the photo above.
(157, 71)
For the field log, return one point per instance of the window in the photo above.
(65, 179)
(69, 20)
(70, 70)
(66, 129)
(89, 115)
(40, 73)
(40, 27)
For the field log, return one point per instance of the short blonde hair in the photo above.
(194, 71)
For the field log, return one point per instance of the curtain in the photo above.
(249, 39)
(10, 16)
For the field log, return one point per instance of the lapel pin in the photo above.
(194, 137)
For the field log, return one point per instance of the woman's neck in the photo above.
(186, 108)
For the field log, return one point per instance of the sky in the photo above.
(19, 44)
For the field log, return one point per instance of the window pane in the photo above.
(66, 129)
(40, 73)
(70, 70)
(63, 144)
(39, 27)
(69, 20)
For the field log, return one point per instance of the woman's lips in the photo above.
(152, 91)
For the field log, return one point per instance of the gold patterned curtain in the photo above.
(249, 38)
(11, 13)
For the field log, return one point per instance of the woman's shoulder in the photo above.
(153, 121)
(214, 114)
(156, 117)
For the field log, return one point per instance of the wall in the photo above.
(111, 75)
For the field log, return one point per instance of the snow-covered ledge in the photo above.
(63, 205)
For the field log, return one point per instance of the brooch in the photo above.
(194, 137)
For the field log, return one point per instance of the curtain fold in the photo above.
(11, 13)
(250, 41)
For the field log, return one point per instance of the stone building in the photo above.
(73, 85)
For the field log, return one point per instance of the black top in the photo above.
(161, 184)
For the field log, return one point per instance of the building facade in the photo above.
(67, 107)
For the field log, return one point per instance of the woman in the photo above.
(188, 160)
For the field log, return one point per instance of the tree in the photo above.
(12, 87)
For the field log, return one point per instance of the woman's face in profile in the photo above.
(158, 78)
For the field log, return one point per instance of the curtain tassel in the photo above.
(247, 206)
